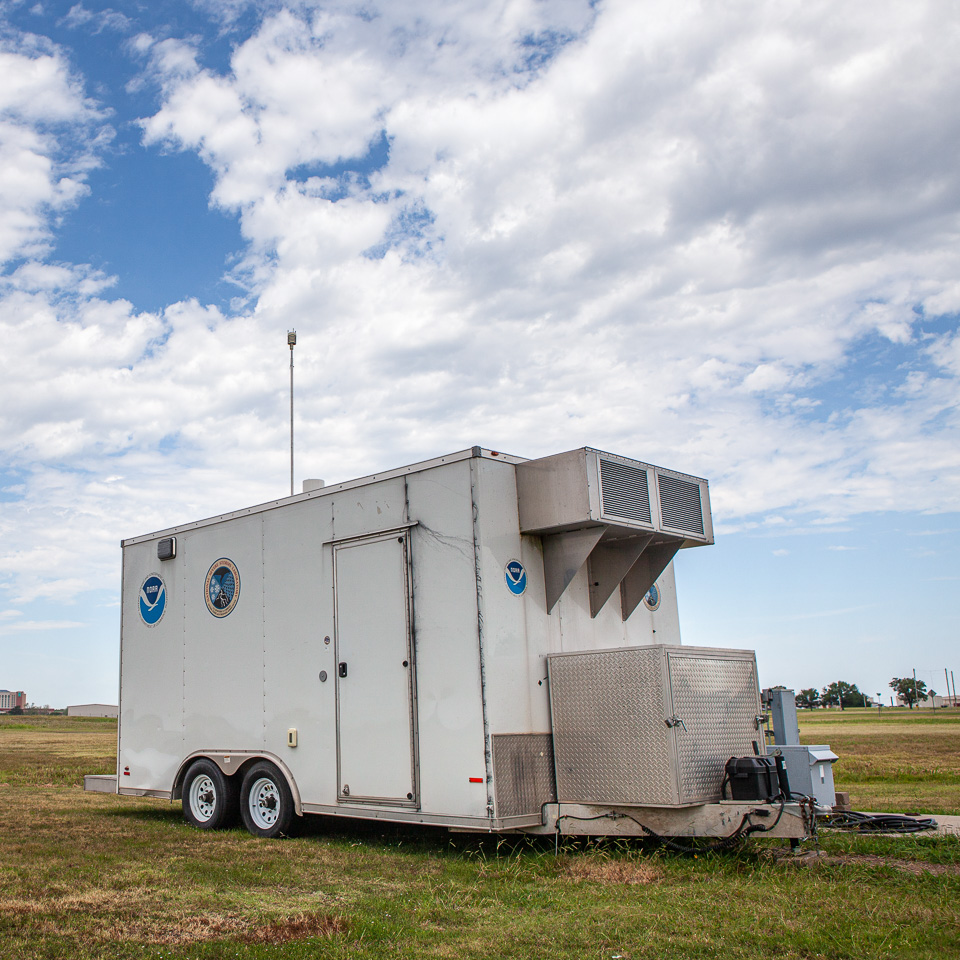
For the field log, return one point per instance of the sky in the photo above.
(722, 238)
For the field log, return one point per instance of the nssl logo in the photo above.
(516, 577)
(153, 600)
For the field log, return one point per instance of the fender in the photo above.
(232, 762)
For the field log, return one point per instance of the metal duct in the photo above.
(625, 519)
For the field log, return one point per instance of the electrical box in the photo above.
(810, 771)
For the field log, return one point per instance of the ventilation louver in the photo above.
(680, 507)
(625, 492)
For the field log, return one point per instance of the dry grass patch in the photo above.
(172, 930)
(630, 872)
(185, 930)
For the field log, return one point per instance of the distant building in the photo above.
(93, 710)
(10, 699)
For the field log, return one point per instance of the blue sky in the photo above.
(724, 240)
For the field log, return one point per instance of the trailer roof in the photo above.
(467, 454)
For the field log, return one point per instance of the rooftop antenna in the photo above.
(291, 342)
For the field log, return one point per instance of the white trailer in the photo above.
(477, 641)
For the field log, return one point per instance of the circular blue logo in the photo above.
(153, 600)
(516, 577)
(222, 587)
(652, 599)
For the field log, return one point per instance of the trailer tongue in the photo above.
(477, 641)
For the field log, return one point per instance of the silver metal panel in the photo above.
(374, 678)
(100, 783)
(555, 492)
(703, 820)
(523, 774)
(563, 555)
(610, 740)
(650, 726)
(717, 699)
(644, 574)
(609, 562)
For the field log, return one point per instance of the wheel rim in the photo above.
(264, 803)
(203, 798)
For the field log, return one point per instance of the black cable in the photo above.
(878, 822)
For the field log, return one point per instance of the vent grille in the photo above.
(523, 774)
(680, 504)
(624, 491)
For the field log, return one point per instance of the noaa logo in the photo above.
(221, 589)
(652, 599)
(153, 600)
(516, 577)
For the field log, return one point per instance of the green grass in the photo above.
(92, 875)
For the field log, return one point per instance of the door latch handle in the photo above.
(342, 669)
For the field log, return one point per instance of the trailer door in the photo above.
(376, 747)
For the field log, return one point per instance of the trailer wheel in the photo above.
(211, 800)
(266, 803)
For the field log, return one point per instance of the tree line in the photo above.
(842, 694)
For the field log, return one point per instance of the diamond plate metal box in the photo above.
(650, 726)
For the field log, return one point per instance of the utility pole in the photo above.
(915, 695)
(291, 342)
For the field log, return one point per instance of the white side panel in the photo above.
(447, 649)
(223, 662)
(151, 665)
(298, 615)
(363, 510)
(516, 702)
(374, 689)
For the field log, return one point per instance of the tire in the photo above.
(211, 800)
(266, 803)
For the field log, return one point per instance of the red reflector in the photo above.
(476, 779)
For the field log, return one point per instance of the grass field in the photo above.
(92, 875)
(905, 761)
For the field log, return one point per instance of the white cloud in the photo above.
(657, 228)
(48, 140)
(79, 16)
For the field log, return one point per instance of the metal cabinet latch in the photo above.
(342, 669)
(675, 721)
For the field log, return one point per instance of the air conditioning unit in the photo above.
(625, 518)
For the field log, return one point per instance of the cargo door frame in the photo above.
(401, 532)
